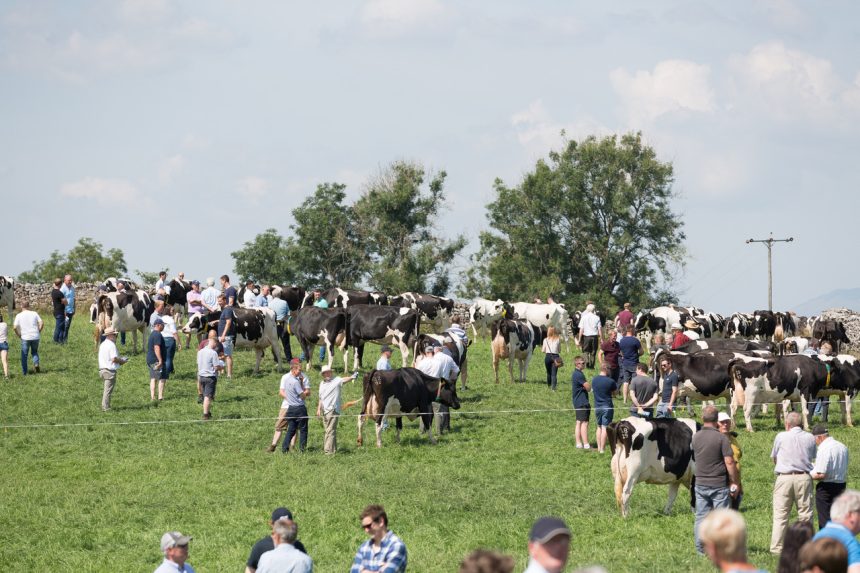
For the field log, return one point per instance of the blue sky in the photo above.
(177, 130)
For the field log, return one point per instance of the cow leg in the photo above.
(846, 410)
(511, 366)
(618, 474)
(360, 440)
(428, 422)
(345, 361)
(379, 431)
(259, 353)
(627, 492)
(804, 413)
(357, 355)
(496, 366)
(673, 493)
(464, 373)
(398, 426)
(404, 351)
(276, 351)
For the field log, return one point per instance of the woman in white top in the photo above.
(552, 348)
(171, 338)
(4, 347)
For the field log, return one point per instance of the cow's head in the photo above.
(642, 320)
(105, 305)
(448, 395)
(196, 323)
(378, 297)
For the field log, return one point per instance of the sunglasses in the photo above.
(367, 525)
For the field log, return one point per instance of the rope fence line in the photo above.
(678, 408)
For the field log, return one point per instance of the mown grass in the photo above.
(97, 496)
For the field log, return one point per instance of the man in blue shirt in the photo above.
(68, 290)
(580, 403)
(844, 525)
(230, 293)
(670, 389)
(631, 350)
(227, 332)
(603, 387)
(384, 551)
(156, 353)
(263, 297)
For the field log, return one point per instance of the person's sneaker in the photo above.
(36, 368)
(271, 449)
(200, 398)
(207, 416)
(578, 446)
(586, 447)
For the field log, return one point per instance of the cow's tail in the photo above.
(693, 491)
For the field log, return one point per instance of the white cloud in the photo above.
(253, 188)
(538, 133)
(398, 17)
(144, 10)
(107, 191)
(673, 86)
(170, 168)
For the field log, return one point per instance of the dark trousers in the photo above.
(551, 370)
(614, 373)
(284, 337)
(170, 352)
(59, 328)
(297, 418)
(589, 350)
(69, 317)
(825, 493)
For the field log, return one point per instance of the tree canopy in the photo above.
(264, 259)
(593, 222)
(86, 262)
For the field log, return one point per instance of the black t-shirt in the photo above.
(230, 292)
(267, 544)
(57, 301)
(669, 382)
(227, 313)
(155, 339)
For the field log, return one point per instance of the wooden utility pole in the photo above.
(769, 244)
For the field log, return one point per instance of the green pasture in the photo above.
(82, 490)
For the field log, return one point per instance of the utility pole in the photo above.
(769, 244)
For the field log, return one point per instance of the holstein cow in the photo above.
(7, 294)
(295, 296)
(655, 451)
(404, 391)
(764, 324)
(832, 331)
(315, 326)
(658, 320)
(552, 314)
(702, 376)
(436, 309)
(512, 340)
(176, 298)
(794, 345)
(126, 312)
(112, 286)
(739, 324)
(380, 324)
(255, 328)
(453, 345)
(240, 295)
(484, 312)
(343, 298)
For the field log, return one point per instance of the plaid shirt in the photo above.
(392, 554)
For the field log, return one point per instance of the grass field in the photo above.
(82, 490)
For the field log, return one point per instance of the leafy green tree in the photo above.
(396, 217)
(325, 250)
(264, 259)
(593, 223)
(86, 262)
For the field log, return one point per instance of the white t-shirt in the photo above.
(107, 352)
(330, 394)
(28, 322)
(169, 327)
(4, 329)
(250, 299)
(589, 323)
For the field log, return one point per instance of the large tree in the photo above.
(264, 259)
(396, 218)
(86, 262)
(595, 222)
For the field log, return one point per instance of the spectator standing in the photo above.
(670, 389)
(4, 346)
(282, 318)
(219, 350)
(716, 474)
(603, 387)
(58, 304)
(155, 352)
(329, 406)
(227, 332)
(643, 393)
(725, 425)
(448, 372)
(549, 546)
(384, 362)
(796, 536)
(171, 338)
(210, 296)
(268, 542)
(824, 555)
(679, 339)
(109, 363)
(844, 525)
(552, 356)
(692, 329)
(263, 297)
(174, 545)
(28, 326)
(295, 387)
(724, 538)
(229, 292)
(208, 367)
(194, 298)
(320, 302)
(161, 284)
(68, 290)
(792, 454)
(157, 312)
(581, 405)
(624, 318)
(250, 297)
(285, 558)
(631, 349)
(830, 470)
(609, 353)
(384, 551)
(590, 331)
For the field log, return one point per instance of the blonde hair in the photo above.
(726, 530)
(551, 332)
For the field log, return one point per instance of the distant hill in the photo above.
(840, 298)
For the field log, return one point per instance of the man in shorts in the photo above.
(155, 353)
(603, 387)
(580, 403)
(227, 332)
(208, 367)
(631, 350)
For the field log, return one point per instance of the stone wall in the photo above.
(39, 295)
(851, 320)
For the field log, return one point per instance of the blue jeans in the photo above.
(59, 328)
(663, 410)
(169, 351)
(551, 370)
(297, 418)
(31, 346)
(708, 499)
(69, 317)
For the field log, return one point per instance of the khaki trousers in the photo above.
(330, 422)
(109, 376)
(788, 490)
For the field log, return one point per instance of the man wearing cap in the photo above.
(384, 551)
(155, 353)
(549, 545)
(328, 407)
(174, 545)
(109, 362)
(250, 298)
(384, 362)
(195, 299)
(282, 318)
(590, 331)
(679, 339)
(295, 387)
(792, 454)
(448, 371)
(829, 470)
(285, 558)
(268, 543)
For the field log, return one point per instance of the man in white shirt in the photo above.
(448, 371)
(328, 406)
(384, 362)
(174, 545)
(28, 326)
(692, 331)
(590, 332)
(830, 471)
(109, 363)
(249, 298)
(210, 296)
(792, 455)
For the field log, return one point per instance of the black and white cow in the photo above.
(832, 331)
(176, 298)
(658, 451)
(785, 322)
(764, 324)
(404, 391)
(739, 324)
(314, 326)
(484, 312)
(112, 284)
(702, 375)
(804, 325)
(344, 298)
(380, 324)
(453, 345)
(125, 312)
(7, 294)
(255, 328)
(435, 309)
(295, 296)
(512, 340)
(546, 315)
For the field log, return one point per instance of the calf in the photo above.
(657, 451)
(380, 324)
(315, 326)
(404, 391)
(512, 339)
(255, 328)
